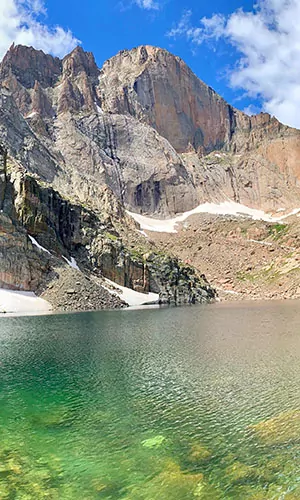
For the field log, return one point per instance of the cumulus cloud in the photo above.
(267, 41)
(20, 22)
(147, 4)
(209, 28)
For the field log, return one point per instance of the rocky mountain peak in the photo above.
(43, 85)
(29, 65)
(79, 61)
(158, 88)
(140, 55)
(149, 128)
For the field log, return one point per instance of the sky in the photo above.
(249, 52)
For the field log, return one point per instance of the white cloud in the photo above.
(212, 27)
(183, 26)
(20, 23)
(251, 110)
(147, 4)
(268, 43)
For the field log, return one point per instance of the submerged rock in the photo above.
(239, 473)
(278, 430)
(199, 454)
(293, 495)
(154, 442)
(21, 476)
(60, 417)
(173, 483)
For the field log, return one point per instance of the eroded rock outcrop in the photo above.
(40, 231)
(21, 267)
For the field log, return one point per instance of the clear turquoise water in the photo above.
(152, 404)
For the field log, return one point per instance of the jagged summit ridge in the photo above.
(145, 126)
(139, 82)
(29, 65)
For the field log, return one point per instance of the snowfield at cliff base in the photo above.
(15, 302)
(23, 303)
(132, 297)
(12, 302)
(225, 208)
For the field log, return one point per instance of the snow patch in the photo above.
(265, 243)
(225, 208)
(144, 234)
(36, 244)
(229, 292)
(130, 296)
(22, 302)
(31, 115)
(100, 110)
(72, 263)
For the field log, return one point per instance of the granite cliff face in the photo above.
(87, 147)
(258, 165)
(79, 145)
(154, 86)
(145, 126)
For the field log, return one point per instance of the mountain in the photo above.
(148, 128)
(259, 162)
(81, 145)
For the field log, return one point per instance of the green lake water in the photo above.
(156, 404)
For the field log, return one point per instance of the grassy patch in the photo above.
(111, 237)
(268, 274)
(278, 230)
(244, 276)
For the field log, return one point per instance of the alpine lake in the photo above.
(198, 402)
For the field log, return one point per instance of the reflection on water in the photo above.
(180, 404)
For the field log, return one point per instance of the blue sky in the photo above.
(249, 52)
(107, 26)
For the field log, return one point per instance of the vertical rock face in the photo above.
(79, 78)
(159, 88)
(29, 65)
(21, 268)
(3, 180)
(29, 149)
(146, 127)
(84, 149)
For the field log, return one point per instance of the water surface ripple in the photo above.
(171, 404)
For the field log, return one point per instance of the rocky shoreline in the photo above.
(70, 290)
